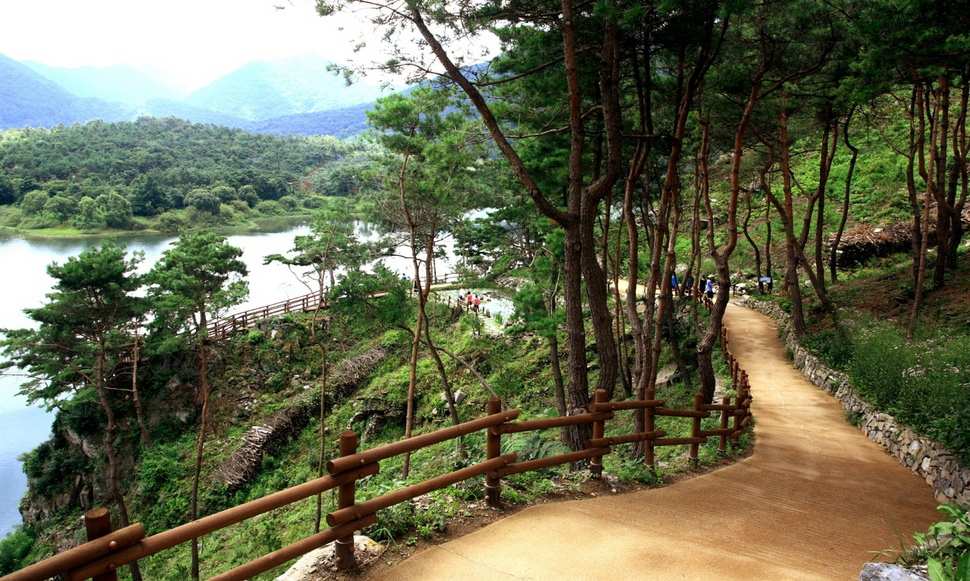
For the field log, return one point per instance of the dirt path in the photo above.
(815, 500)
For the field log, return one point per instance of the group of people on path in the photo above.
(688, 288)
(709, 287)
(473, 302)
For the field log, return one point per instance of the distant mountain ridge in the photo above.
(291, 97)
(118, 83)
(28, 99)
(266, 90)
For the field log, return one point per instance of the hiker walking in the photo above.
(709, 288)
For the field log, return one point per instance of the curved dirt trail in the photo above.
(815, 500)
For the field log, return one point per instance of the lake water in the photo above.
(24, 261)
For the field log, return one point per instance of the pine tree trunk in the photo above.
(111, 428)
(136, 397)
(846, 199)
(577, 389)
(203, 371)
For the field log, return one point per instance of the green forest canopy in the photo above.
(157, 165)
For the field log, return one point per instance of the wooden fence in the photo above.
(223, 327)
(108, 550)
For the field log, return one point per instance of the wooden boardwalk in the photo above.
(224, 327)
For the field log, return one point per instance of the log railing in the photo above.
(107, 550)
(223, 327)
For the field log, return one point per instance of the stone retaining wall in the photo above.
(929, 459)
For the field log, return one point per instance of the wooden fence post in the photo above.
(493, 444)
(739, 413)
(97, 522)
(599, 430)
(346, 493)
(695, 429)
(722, 444)
(649, 425)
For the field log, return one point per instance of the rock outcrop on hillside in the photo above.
(281, 426)
(865, 241)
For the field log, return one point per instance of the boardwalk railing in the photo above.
(107, 550)
(223, 327)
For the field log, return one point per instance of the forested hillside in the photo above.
(156, 173)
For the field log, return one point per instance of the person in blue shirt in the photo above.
(673, 282)
(709, 288)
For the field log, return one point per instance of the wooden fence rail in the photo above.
(106, 551)
(223, 327)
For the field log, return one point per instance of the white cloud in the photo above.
(185, 42)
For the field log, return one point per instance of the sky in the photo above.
(184, 43)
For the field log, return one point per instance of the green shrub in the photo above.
(881, 360)
(269, 207)
(924, 384)
(13, 548)
(289, 203)
(314, 201)
(170, 222)
(945, 547)
(161, 486)
(833, 346)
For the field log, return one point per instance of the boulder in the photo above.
(322, 563)
(889, 572)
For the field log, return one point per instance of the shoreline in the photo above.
(267, 224)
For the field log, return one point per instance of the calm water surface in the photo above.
(24, 262)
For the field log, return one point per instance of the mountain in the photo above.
(341, 123)
(28, 99)
(293, 97)
(265, 90)
(121, 83)
(182, 110)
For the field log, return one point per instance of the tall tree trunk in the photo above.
(618, 322)
(754, 246)
(554, 356)
(578, 386)
(110, 431)
(791, 243)
(961, 173)
(598, 300)
(633, 272)
(930, 177)
(769, 272)
(203, 371)
(412, 383)
(322, 430)
(915, 138)
(938, 152)
(442, 372)
(722, 255)
(846, 199)
(825, 166)
(135, 395)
